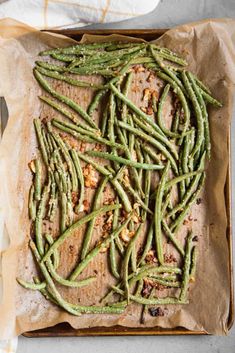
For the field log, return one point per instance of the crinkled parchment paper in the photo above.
(208, 46)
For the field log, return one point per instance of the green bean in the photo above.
(101, 93)
(176, 180)
(186, 270)
(71, 308)
(152, 141)
(126, 261)
(125, 93)
(148, 244)
(208, 98)
(64, 99)
(140, 159)
(67, 158)
(89, 257)
(78, 169)
(122, 160)
(64, 57)
(32, 203)
(198, 113)
(38, 128)
(163, 282)
(53, 198)
(154, 301)
(76, 49)
(133, 171)
(122, 194)
(95, 206)
(39, 218)
(180, 94)
(112, 249)
(75, 226)
(147, 185)
(65, 282)
(101, 169)
(66, 113)
(151, 154)
(204, 113)
(190, 190)
(38, 177)
(157, 215)
(117, 240)
(178, 221)
(167, 70)
(56, 75)
(68, 127)
(160, 111)
(194, 255)
(104, 121)
(133, 107)
(161, 138)
(33, 286)
(172, 237)
(175, 123)
(50, 66)
(136, 196)
(85, 70)
(63, 215)
(168, 56)
(111, 135)
(55, 256)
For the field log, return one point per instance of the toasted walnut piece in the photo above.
(149, 110)
(150, 77)
(126, 235)
(32, 166)
(90, 176)
(144, 109)
(192, 279)
(74, 195)
(169, 258)
(138, 68)
(103, 249)
(146, 94)
(151, 257)
(82, 147)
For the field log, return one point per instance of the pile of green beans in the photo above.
(156, 173)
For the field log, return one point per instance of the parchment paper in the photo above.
(208, 46)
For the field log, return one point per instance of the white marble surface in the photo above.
(168, 14)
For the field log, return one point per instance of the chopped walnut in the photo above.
(144, 109)
(149, 110)
(146, 94)
(150, 77)
(74, 195)
(138, 68)
(169, 258)
(32, 166)
(103, 249)
(82, 147)
(147, 287)
(126, 235)
(90, 176)
(151, 257)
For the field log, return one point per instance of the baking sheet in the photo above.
(209, 49)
